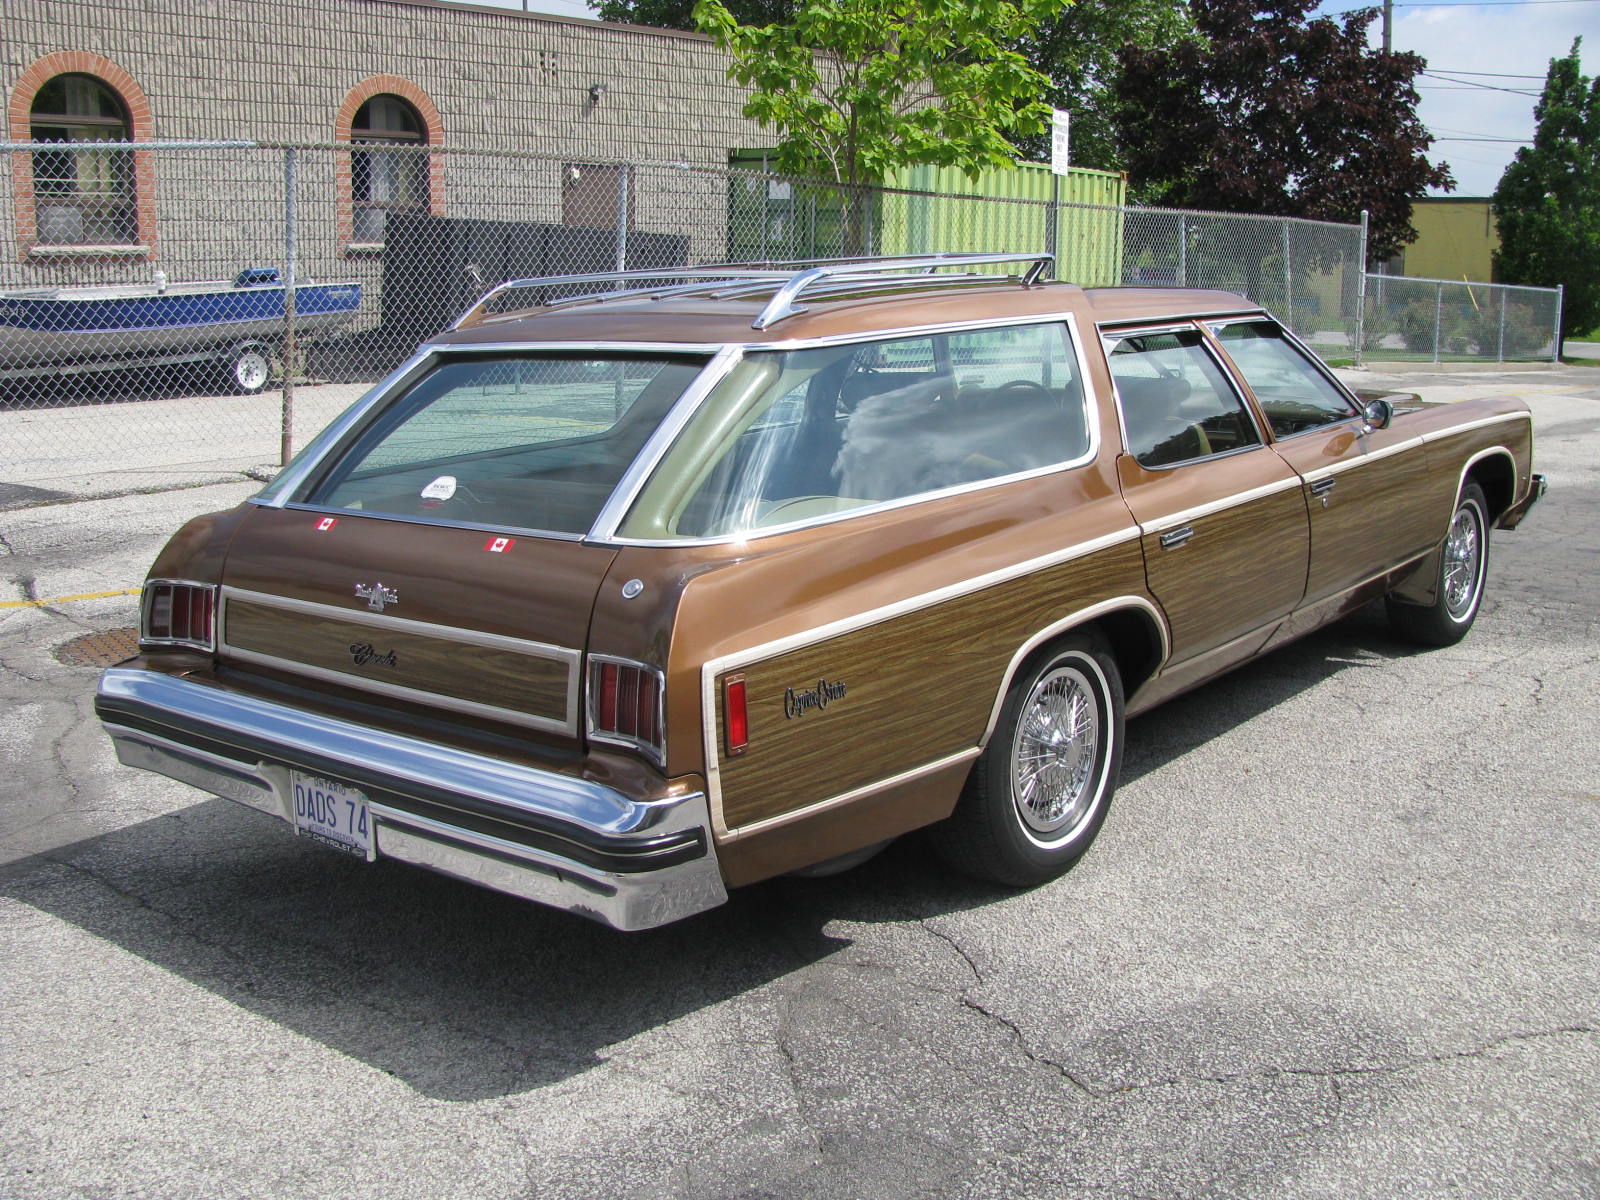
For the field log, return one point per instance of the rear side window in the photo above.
(1177, 404)
(792, 436)
(528, 442)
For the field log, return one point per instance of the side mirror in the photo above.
(1377, 414)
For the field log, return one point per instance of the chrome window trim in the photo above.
(712, 668)
(1075, 348)
(492, 641)
(612, 513)
(1106, 340)
(560, 535)
(311, 457)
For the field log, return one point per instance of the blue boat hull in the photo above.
(70, 325)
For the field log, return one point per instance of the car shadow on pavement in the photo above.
(465, 994)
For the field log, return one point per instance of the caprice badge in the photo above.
(376, 595)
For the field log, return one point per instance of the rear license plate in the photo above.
(332, 813)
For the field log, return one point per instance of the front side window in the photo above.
(525, 442)
(82, 197)
(389, 174)
(1293, 391)
(1177, 404)
(795, 435)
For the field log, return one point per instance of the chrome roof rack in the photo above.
(787, 281)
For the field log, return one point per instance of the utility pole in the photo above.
(1388, 24)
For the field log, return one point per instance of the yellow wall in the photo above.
(1455, 238)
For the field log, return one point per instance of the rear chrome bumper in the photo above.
(567, 842)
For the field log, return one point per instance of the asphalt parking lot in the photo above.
(1339, 938)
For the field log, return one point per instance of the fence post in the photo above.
(622, 216)
(1500, 349)
(1438, 318)
(1183, 250)
(1052, 216)
(1361, 290)
(1288, 283)
(290, 349)
(1561, 303)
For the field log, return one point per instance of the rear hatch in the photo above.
(435, 558)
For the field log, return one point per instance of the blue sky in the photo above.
(1491, 57)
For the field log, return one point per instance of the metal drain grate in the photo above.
(99, 649)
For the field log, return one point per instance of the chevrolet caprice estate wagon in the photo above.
(679, 580)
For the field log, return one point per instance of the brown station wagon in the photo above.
(679, 580)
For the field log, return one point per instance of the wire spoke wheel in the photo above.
(1038, 795)
(1463, 561)
(1463, 568)
(1054, 752)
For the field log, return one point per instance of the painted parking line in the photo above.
(66, 599)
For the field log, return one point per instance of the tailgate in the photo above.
(465, 621)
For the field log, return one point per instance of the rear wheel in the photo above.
(1038, 795)
(1463, 566)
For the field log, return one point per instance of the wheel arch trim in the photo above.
(1065, 625)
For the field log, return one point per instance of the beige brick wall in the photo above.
(280, 70)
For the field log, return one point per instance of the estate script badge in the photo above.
(376, 595)
(795, 703)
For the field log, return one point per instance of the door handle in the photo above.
(1174, 538)
(1322, 488)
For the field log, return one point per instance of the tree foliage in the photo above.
(1547, 205)
(1278, 113)
(1079, 51)
(856, 88)
(1076, 49)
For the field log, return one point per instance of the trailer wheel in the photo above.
(249, 368)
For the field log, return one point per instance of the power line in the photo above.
(1487, 87)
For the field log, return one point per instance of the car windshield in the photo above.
(799, 435)
(534, 442)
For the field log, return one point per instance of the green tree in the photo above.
(1076, 48)
(1278, 113)
(1547, 205)
(1079, 49)
(856, 88)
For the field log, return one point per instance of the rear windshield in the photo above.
(794, 436)
(526, 442)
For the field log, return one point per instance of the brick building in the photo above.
(450, 109)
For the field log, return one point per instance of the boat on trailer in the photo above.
(240, 323)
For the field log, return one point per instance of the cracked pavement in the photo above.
(1338, 939)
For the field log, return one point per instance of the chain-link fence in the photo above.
(174, 309)
(1437, 320)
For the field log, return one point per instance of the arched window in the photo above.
(82, 197)
(388, 175)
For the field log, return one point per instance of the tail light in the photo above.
(735, 715)
(179, 613)
(625, 706)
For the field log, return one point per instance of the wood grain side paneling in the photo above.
(916, 688)
(489, 675)
(1378, 514)
(1244, 565)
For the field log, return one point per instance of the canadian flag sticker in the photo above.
(326, 524)
(499, 545)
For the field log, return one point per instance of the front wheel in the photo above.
(1038, 795)
(1458, 591)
